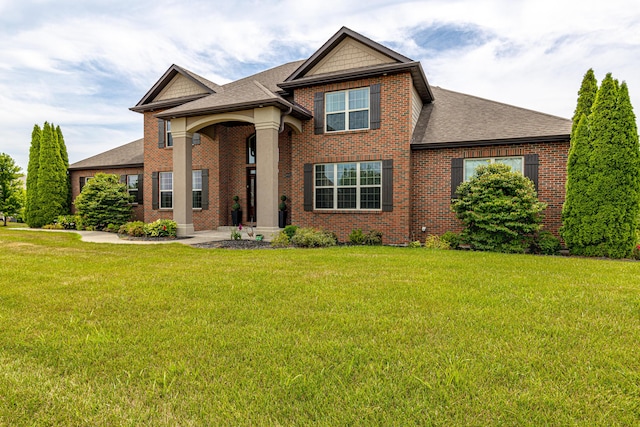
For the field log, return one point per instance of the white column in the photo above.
(267, 122)
(182, 177)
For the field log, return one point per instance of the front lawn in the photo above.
(159, 335)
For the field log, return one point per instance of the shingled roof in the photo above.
(459, 119)
(128, 155)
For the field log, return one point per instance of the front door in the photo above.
(251, 195)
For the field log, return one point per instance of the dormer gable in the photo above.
(176, 87)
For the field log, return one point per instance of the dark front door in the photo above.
(251, 195)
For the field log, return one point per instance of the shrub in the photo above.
(54, 226)
(373, 238)
(499, 209)
(161, 228)
(545, 243)
(356, 237)
(281, 240)
(68, 222)
(290, 230)
(436, 242)
(133, 229)
(112, 228)
(452, 239)
(103, 200)
(415, 244)
(313, 238)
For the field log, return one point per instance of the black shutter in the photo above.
(195, 139)
(161, 134)
(205, 189)
(531, 162)
(140, 187)
(387, 185)
(374, 99)
(154, 190)
(457, 175)
(308, 187)
(318, 113)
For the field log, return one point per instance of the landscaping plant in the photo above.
(103, 201)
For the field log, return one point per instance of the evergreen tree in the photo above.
(65, 161)
(31, 208)
(586, 97)
(52, 179)
(11, 193)
(104, 200)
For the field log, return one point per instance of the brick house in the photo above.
(354, 136)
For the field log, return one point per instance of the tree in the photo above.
(65, 162)
(31, 205)
(586, 97)
(103, 201)
(11, 192)
(52, 179)
(499, 209)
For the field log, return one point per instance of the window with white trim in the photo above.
(354, 186)
(196, 186)
(166, 190)
(168, 137)
(347, 110)
(470, 165)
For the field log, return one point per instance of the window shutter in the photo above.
(161, 134)
(140, 187)
(318, 113)
(123, 179)
(374, 108)
(308, 187)
(387, 185)
(195, 139)
(531, 162)
(205, 189)
(457, 175)
(154, 190)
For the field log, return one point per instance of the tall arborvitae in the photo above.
(577, 205)
(615, 165)
(52, 179)
(31, 207)
(65, 161)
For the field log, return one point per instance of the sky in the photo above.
(82, 64)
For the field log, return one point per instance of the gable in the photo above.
(180, 87)
(349, 54)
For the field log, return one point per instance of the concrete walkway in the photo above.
(224, 233)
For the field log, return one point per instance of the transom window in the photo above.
(470, 165)
(166, 190)
(347, 110)
(348, 186)
(132, 187)
(196, 186)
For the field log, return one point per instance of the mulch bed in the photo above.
(234, 244)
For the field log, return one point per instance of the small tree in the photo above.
(103, 201)
(31, 205)
(499, 209)
(11, 192)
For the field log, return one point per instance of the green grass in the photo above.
(171, 335)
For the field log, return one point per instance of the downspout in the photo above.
(282, 118)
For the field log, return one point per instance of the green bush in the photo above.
(373, 238)
(356, 237)
(415, 244)
(68, 222)
(499, 209)
(54, 226)
(545, 243)
(290, 230)
(133, 229)
(452, 239)
(313, 238)
(436, 242)
(281, 240)
(103, 201)
(161, 228)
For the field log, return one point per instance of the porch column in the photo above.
(182, 177)
(267, 122)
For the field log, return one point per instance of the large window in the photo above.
(166, 190)
(348, 186)
(470, 165)
(132, 187)
(347, 110)
(196, 186)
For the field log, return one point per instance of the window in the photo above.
(348, 109)
(168, 138)
(166, 190)
(251, 149)
(84, 180)
(470, 165)
(196, 187)
(348, 186)
(132, 187)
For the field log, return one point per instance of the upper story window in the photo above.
(168, 137)
(470, 165)
(348, 186)
(347, 110)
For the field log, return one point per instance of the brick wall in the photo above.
(75, 175)
(431, 176)
(391, 141)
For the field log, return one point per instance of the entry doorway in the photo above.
(251, 196)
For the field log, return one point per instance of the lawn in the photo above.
(160, 335)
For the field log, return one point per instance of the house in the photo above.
(354, 136)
